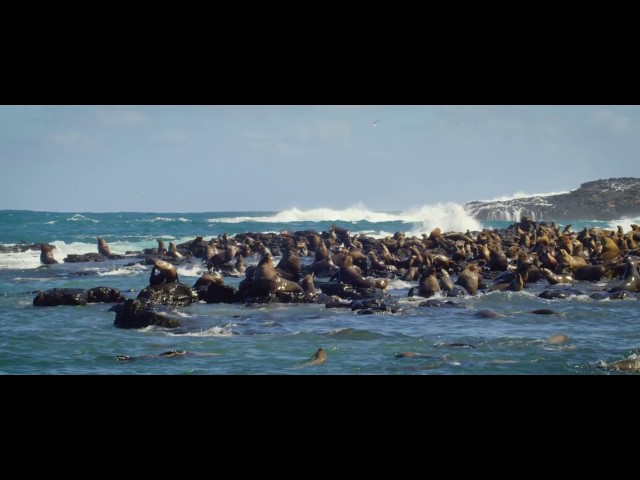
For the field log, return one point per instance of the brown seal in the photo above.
(173, 252)
(572, 262)
(469, 279)
(208, 279)
(428, 284)
(46, 254)
(161, 248)
(557, 339)
(239, 265)
(516, 284)
(289, 265)
(310, 292)
(319, 357)
(446, 283)
(167, 273)
(631, 278)
(348, 274)
(103, 247)
(267, 280)
(592, 273)
(555, 278)
(223, 258)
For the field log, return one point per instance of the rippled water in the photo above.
(281, 338)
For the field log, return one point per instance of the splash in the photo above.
(352, 214)
(624, 222)
(190, 271)
(211, 332)
(519, 195)
(449, 217)
(81, 218)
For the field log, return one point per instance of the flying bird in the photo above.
(374, 123)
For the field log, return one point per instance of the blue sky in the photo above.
(244, 158)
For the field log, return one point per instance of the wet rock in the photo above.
(217, 293)
(141, 314)
(61, 296)
(90, 257)
(174, 294)
(550, 294)
(619, 295)
(104, 295)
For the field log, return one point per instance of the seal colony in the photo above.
(341, 270)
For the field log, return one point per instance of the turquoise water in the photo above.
(280, 338)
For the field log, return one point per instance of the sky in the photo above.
(158, 158)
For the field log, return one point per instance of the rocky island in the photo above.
(604, 200)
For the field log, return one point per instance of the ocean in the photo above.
(277, 338)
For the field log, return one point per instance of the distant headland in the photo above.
(605, 200)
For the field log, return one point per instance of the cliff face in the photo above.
(598, 200)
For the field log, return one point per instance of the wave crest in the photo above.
(448, 217)
(81, 218)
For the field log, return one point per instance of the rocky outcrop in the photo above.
(141, 314)
(174, 294)
(90, 257)
(77, 296)
(604, 200)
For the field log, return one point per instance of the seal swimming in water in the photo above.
(557, 339)
(319, 357)
(103, 247)
(626, 365)
(167, 273)
(46, 254)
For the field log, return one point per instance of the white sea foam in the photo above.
(448, 217)
(518, 195)
(210, 332)
(397, 284)
(81, 218)
(167, 219)
(624, 222)
(353, 214)
(135, 269)
(194, 270)
(20, 260)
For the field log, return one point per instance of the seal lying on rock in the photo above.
(163, 272)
